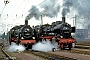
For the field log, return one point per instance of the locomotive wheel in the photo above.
(29, 46)
(9, 42)
(70, 46)
(62, 46)
(53, 49)
(18, 39)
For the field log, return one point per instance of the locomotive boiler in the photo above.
(63, 29)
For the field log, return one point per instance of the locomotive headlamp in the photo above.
(33, 37)
(12, 30)
(61, 36)
(38, 30)
(27, 29)
(22, 38)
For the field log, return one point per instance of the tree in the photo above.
(3, 36)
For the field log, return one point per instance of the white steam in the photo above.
(80, 8)
(14, 47)
(49, 10)
(34, 12)
(45, 46)
(67, 4)
(72, 7)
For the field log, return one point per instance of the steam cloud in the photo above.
(14, 47)
(67, 4)
(49, 10)
(45, 46)
(73, 7)
(80, 8)
(34, 12)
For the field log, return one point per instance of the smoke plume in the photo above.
(34, 12)
(50, 9)
(83, 15)
(67, 4)
(80, 8)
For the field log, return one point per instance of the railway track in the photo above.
(6, 55)
(82, 47)
(48, 56)
(79, 49)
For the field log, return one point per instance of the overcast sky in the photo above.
(11, 14)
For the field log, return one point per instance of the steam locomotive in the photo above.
(60, 31)
(22, 34)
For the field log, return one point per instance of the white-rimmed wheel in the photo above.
(73, 45)
(53, 49)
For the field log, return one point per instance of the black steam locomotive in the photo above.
(13, 34)
(22, 34)
(27, 36)
(60, 30)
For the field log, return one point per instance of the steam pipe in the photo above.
(41, 20)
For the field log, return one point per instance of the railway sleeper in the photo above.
(49, 56)
(53, 57)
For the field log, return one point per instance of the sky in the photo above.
(11, 15)
(16, 11)
(13, 8)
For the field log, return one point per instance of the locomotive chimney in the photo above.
(63, 19)
(41, 20)
(26, 22)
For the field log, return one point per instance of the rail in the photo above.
(6, 54)
(49, 56)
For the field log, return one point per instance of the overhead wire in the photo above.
(39, 4)
(33, 8)
(6, 2)
(26, 12)
(52, 6)
(2, 10)
(15, 10)
(24, 7)
(75, 6)
(42, 2)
